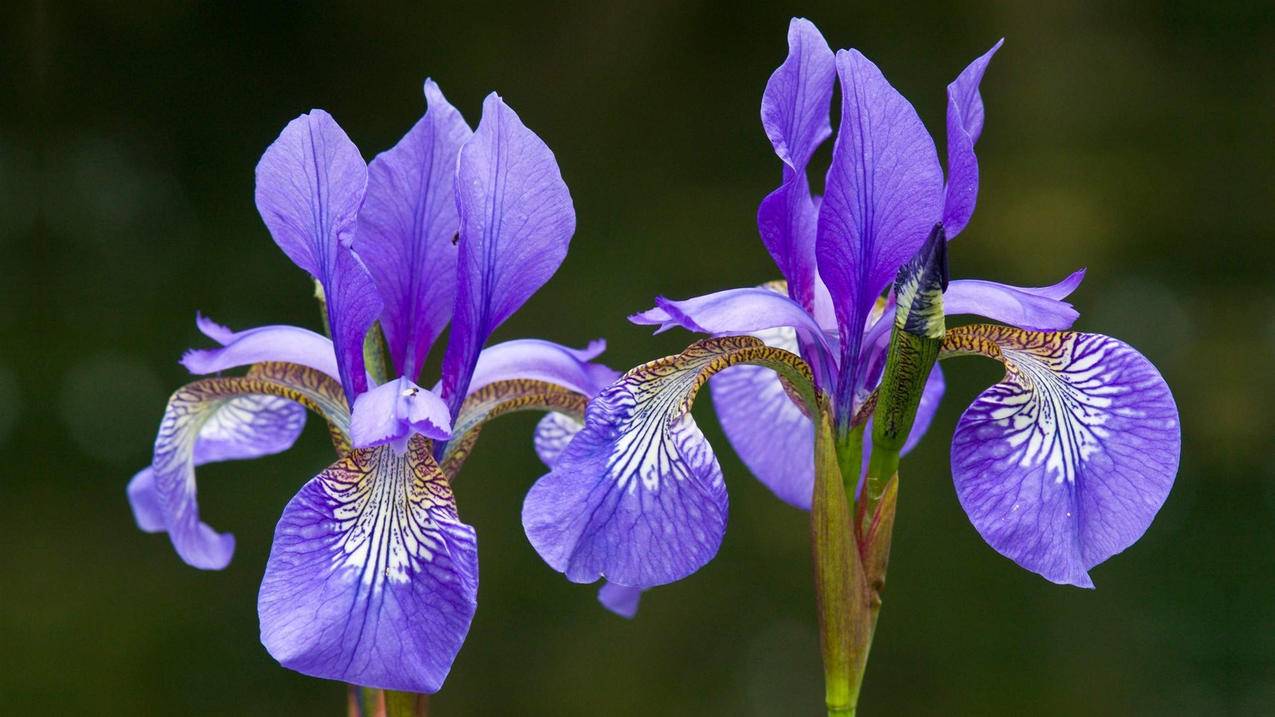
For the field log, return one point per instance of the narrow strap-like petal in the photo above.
(221, 419)
(541, 360)
(1067, 460)
(1027, 308)
(964, 125)
(794, 114)
(883, 196)
(743, 311)
(516, 220)
(638, 496)
(390, 413)
(372, 577)
(283, 344)
(407, 230)
(310, 186)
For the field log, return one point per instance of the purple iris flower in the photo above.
(372, 578)
(1059, 466)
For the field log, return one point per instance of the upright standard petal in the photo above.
(372, 578)
(884, 194)
(516, 220)
(541, 360)
(1066, 461)
(769, 432)
(392, 412)
(310, 186)
(282, 344)
(794, 113)
(964, 125)
(220, 419)
(407, 229)
(637, 496)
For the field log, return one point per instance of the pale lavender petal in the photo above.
(554, 431)
(621, 600)
(213, 330)
(543, 361)
(407, 227)
(206, 422)
(771, 435)
(964, 125)
(287, 344)
(794, 114)
(1059, 291)
(637, 496)
(372, 578)
(1026, 308)
(392, 412)
(144, 501)
(310, 186)
(735, 311)
(883, 196)
(516, 220)
(1066, 461)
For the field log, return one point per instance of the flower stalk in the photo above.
(851, 553)
(841, 592)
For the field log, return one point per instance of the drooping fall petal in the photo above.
(221, 419)
(637, 496)
(1066, 461)
(372, 577)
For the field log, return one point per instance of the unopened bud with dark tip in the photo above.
(914, 347)
(919, 287)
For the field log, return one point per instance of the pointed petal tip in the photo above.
(213, 330)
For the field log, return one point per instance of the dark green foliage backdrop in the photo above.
(1134, 141)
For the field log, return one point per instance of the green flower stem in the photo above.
(841, 588)
(371, 702)
(406, 704)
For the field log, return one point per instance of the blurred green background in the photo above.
(1136, 141)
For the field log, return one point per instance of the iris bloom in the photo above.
(372, 578)
(1059, 466)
